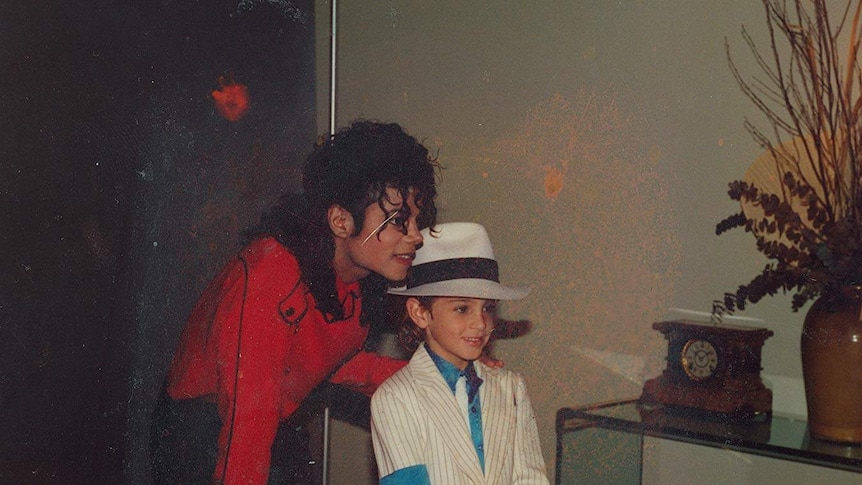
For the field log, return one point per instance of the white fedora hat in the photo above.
(457, 260)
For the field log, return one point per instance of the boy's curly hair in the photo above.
(352, 168)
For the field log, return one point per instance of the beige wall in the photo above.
(594, 140)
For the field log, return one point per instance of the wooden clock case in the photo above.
(734, 388)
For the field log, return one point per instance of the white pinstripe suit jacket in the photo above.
(415, 420)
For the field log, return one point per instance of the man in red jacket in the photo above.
(293, 308)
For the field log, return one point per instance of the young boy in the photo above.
(447, 419)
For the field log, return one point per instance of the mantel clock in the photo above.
(711, 368)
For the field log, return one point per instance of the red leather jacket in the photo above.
(256, 344)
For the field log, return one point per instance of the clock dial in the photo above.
(699, 359)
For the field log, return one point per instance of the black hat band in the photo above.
(452, 269)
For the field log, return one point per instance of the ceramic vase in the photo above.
(832, 366)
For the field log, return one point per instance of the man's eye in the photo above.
(400, 221)
(490, 309)
(461, 309)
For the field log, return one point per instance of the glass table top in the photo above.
(770, 435)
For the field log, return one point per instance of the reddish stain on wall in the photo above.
(231, 99)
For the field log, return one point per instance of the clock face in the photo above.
(699, 359)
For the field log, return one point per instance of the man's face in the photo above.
(387, 243)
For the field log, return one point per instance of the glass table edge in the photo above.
(571, 419)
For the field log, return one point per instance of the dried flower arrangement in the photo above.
(802, 200)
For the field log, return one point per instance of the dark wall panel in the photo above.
(123, 189)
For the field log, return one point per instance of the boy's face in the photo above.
(456, 328)
(387, 243)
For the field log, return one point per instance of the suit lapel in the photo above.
(440, 406)
(495, 420)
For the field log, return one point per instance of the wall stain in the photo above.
(587, 221)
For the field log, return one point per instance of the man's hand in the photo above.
(490, 361)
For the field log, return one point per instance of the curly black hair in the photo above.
(352, 169)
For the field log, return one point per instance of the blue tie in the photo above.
(473, 382)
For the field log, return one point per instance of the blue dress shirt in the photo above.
(451, 374)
